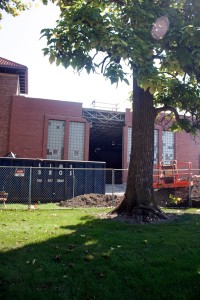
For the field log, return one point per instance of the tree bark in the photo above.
(139, 196)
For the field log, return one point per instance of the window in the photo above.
(76, 153)
(129, 144)
(167, 145)
(55, 142)
(155, 145)
(76, 141)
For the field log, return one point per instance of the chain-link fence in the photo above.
(31, 185)
(43, 185)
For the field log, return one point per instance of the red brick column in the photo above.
(8, 87)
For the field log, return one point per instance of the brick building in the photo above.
(49, 129)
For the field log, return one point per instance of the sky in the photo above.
(20, 42)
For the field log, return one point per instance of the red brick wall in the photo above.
(29, 124)
(187, 149)
(25, 132)
(8, 87)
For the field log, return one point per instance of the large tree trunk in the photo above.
(139, 196)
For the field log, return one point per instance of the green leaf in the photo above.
(52, 58)
(89, 257)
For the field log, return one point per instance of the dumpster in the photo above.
(50, 180)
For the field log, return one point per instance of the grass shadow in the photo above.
(91, 258)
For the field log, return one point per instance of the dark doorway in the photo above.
(106, 141)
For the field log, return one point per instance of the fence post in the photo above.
(30, 187)
(190, 188)
(113, 182)
(73, 183)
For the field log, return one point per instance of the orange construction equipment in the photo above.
(171, 174)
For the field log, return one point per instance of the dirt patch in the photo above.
(90, 200)
(162, 197)
(100, 200)
(132, 220)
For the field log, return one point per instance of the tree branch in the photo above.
(95, 55)
(184, 77)
(165, 120)
(166, 108)
(106, 65)
(174, 76)
(156, 56)
(103, 62)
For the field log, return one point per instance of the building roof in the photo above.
(10, 67)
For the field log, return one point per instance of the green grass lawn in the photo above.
(71, 254)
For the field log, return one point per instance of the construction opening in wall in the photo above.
(106, 136)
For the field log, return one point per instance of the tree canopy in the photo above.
(107, 35)
(13, 7)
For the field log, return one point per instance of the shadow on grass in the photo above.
(102, 259)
